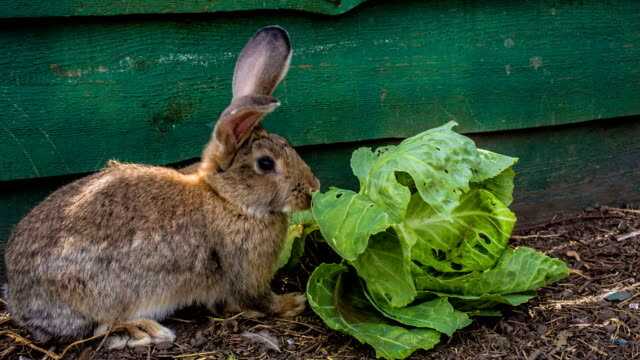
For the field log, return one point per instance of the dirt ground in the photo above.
(572, 319)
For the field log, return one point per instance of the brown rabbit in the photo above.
(129, 245)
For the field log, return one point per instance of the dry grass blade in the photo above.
(26, 342)
(535, 236)
(595, 349)
(240, 314)
(579, 273)
(7, 351)
(76, 343)
(631, 211)
(181, 320)
(593, 299)
(20, 340)
(205, 353)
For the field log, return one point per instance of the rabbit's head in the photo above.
(255, 170)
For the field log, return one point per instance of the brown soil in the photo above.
(569, 320)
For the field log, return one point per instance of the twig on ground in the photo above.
(579, 273)
(26, 342)
(535, 236)
(600, 352)
(82, 341)
(7, 351)
(196, 354)
(585, 299)
(226, 319)
(628, 236)
(181, 320)
(633, 211)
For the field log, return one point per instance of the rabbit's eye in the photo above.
(266, 163)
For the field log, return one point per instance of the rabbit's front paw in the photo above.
(289, 305)
(138, 333)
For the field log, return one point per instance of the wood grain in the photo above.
(44, 8)
(79, 91)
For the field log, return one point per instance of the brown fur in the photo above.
(133, 243)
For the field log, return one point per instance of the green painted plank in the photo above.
(44, 8)
(76, 93)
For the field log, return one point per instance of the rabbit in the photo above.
(125, 247)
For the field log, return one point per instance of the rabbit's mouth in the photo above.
(297, 202)
(300, 198)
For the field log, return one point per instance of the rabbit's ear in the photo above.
(263, 62)
(234, 127)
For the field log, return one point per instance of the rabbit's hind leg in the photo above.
(140, 332)
(47, 320)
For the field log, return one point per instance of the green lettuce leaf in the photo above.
(467, 302)
(501, 186)
(294, 234)
(342, 305)
(439, 161)
(361, 161)
(494, 173)
(384, 269)
(471, 238)
(517, 271)
(490, 164)
(347, 220)
(437, 314)
(303, 218)
(301, 224)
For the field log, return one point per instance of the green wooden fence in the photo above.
(556, 83)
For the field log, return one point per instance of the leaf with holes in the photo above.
(518, 270)
(472, 237)
(439, 163)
